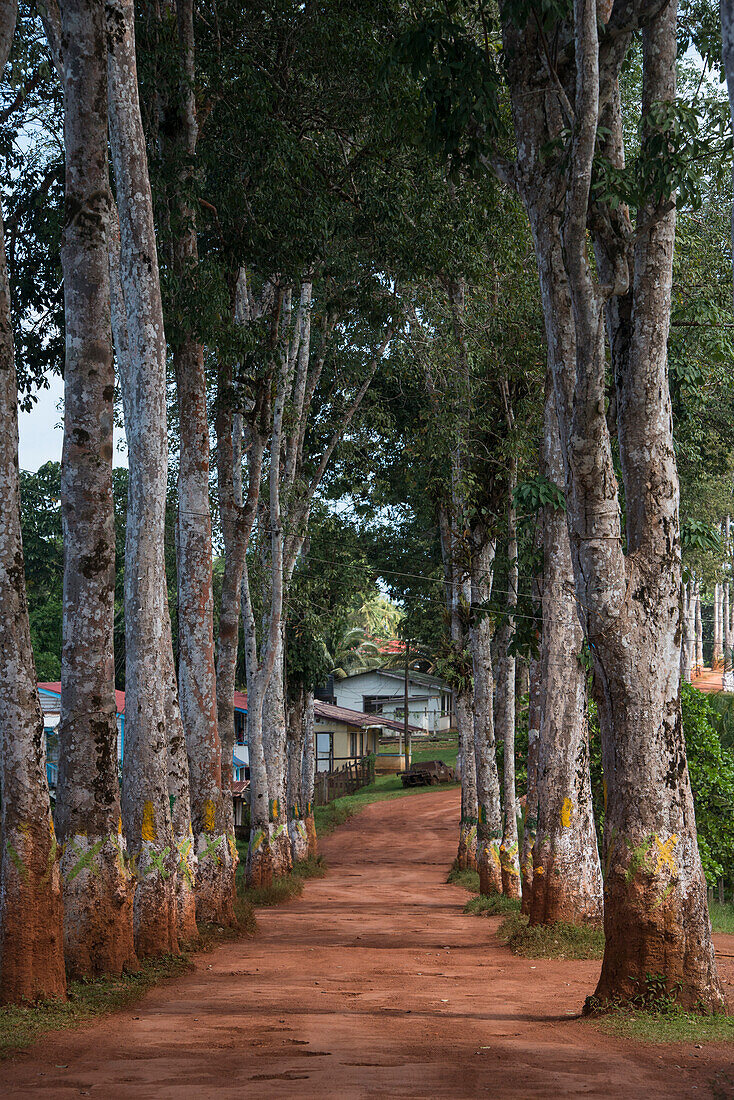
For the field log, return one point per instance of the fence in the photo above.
(345, 780)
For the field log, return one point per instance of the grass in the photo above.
(468, 879)
(283, 888)
(497, 904)
(722, 917)
(667, 1027)
(551, 941)
(22, 1025)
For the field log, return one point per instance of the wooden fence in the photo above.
(345, 780)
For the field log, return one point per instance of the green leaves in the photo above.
(698, 534)
(537, 493)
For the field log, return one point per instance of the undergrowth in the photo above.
(654, 1016)
(284, 888)
(482, 906)
(551, 941)
(22, 1025)
(722, 917)
(468, 879)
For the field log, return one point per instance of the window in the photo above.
(353, 743)
(240, 726)
(324, 752)
(372, 704)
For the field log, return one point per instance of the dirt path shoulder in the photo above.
(373, 983)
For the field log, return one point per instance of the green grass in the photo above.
(468, 879)
(482, 906)
(722, 918)
(87, 1000)
(667, 1027)
(551, 941)
(284, 888)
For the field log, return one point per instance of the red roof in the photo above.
(55, 689)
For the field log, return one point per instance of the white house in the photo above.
(381, 691)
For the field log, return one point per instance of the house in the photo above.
(342, 735)
(380, 693)
(50, 696)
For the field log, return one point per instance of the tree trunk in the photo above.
(296, 810)
(699, 630)
(196, 671)
(466, 857)
(275, 747)
(509, 855)
(141, 354)
(309, 774)
(655, 914)
(31, 908)
(686, 664)
(567, 881)
(489, 813)
(726, 646)
(531, 799)
(718, 627)
(178, 796)
(98, 892)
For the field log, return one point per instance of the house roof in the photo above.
(331, 713)
(239, 786)
(427, 679)
(55, 689)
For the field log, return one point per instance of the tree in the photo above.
(31, 909)
(655, 904)
(155, 775)
(98, 895)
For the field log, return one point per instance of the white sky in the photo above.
(41, 432)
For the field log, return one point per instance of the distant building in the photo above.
(50, 696)
(380, 693)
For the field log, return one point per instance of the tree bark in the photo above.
(686, 662)
(295, 751)
(718, 626)
(489, 812)
(509, 855)
(151, 794)
(196, 671)
(699, 629)
(275, 746)
(309, 774)
(567, 881)
(530, 828)
(31, 908)
(98, 891)
(655, 916)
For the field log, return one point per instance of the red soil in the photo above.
(372, 984)
(709, 680)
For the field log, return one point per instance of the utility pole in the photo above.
(406, 726)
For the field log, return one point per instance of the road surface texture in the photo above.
(373, 983)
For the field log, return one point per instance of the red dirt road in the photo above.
(372, 984)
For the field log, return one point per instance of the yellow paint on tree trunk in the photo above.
(665, 854)
(148, 828)
(210, 814)
(566, 811)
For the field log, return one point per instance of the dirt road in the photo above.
(372, 984)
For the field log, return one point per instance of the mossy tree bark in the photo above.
(489, 813)
(31, 908)
(567, 881)
(98, 888)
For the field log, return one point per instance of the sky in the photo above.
(41, 432)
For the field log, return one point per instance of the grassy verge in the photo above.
(722, 918)
(21, 1026)
(284, 888)
(550, 941)
(468, 879)
(493, 906)
(667, 1027)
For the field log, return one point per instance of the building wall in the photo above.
(425, 702)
